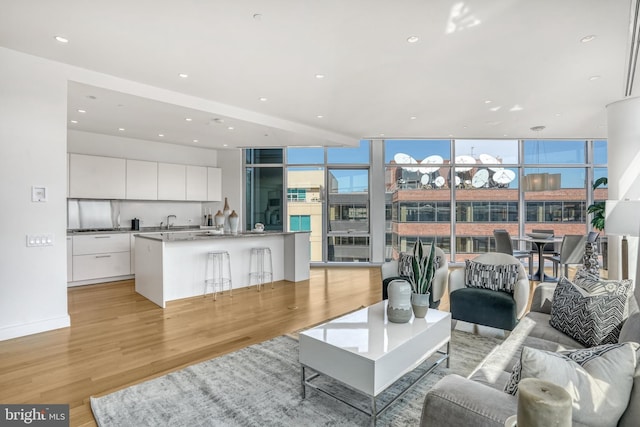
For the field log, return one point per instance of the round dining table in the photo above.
(540, 276)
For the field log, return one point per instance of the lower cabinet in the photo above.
(86, 267)
(98, 257)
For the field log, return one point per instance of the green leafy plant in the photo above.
(597, 209)
(422, 268)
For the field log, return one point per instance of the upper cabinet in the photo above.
(96, 177)
(214, 184)
(172, 181)
(142, 180)
(196, 183)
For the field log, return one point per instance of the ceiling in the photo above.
(478, 69)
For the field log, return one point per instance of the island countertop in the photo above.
(206, 235)
(174, 265)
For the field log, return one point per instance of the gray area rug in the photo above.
(260, 386)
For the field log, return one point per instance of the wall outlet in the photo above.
(34, 240)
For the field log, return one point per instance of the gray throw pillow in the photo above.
(590, 319)
(594, 285)
(599, 379)
(502, 277)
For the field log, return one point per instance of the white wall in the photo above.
(33, 141)
(33, 289)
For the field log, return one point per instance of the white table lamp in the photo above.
(621, 218)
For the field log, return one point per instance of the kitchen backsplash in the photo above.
(150, 213)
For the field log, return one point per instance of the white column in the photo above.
(623, 119)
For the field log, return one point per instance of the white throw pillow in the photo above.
(599, 379)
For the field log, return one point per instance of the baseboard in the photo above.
(16, 331)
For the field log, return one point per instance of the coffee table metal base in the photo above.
(374, 412)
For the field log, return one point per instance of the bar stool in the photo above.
(220, 264)
(260, 267)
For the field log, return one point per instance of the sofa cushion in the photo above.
(484, 307)
(594, 285)
(599, 379)
(497, 277)
(537, 325)
(589, 319)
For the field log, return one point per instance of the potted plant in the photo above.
(422, 271)
(597, 209)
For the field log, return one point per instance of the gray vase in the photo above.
(399, 304)
(420, 304)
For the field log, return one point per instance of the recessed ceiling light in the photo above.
(319, 116)
(263, 99)
(183, 75)
(588, 38)
(488, 101)
(62, 39)
(188, 119)
(82, 111)
(557, 114)
(195, 140)
(231, 128)
(319, 76)
(413, 117)
(161, 135)
(413, 39)
(382, 134)
(594, 78)
(225, 145)
(496, 108)
(121, 129)
(74, 121)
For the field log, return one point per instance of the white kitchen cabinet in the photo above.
(99, 266)
(142, 180)
(69, 259)
(96, 177)
(214, 184)
(196, 183)
(172, 180)
(101, 256)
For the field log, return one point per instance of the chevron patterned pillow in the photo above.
(590, 319)
(594, 285)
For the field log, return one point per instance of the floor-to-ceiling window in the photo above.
(454, 192)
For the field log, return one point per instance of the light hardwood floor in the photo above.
(118, 338)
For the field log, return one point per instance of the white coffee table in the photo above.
(367, 353)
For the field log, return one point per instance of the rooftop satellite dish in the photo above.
(424, 179)
(464, 160)
(504, 176)
(439, 182)
(487, 159)
(405, 159)
(480, 178)
(434, 159)
(458, 180)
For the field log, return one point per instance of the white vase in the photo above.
(226, 211)
(233, 222)
(399, 304)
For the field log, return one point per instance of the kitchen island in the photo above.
(171, 266)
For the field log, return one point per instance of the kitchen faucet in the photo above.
(169, 220)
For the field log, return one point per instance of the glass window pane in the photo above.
(348, 248)
(264, 197)
(488, 152)
(260, 156)
(554, 152)
(304, 205)
(400, 151)
(344, 155)
(600, 156)
(305, 156)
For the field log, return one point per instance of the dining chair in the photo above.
(504, 245)
(571, 253)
